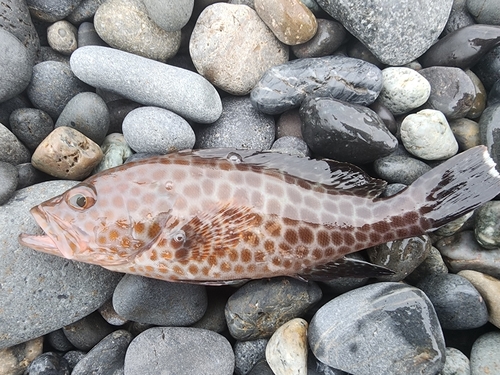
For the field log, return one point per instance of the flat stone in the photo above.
(489, 134)
(171, 15)
(62, 37)
(290, 20)
(34, 303)
(343, 78)
(12, 150)
(225, 27)
(8, 181)
(400, 169)
(395, 31)
(125, 25)
(466, 133)
(485, 354)
(115, 150)
(31, 126)
(148, 82)
(66, 153)
(51, 10)
(456, 363)
(328, 38)
(391, 326)
(85, 333)
(16, 359)
(327, 124)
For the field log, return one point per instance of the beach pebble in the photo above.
(488, 68)
(432, 265)
(8, 181)
(484, 11)
(240, 126)
(109, 314)
(126, 25)
(106, 357)
(456, 363)
(236, 28)
(395, 31)
(458, 304)
(214, 318)
(383, 112)
(494, 94)
(259, 307)
(68, 154)
(261, 368)
(84, 11)
(459, 17)
(85, 333)
(170, 15)
(9, 106)
(29, 175)
(286, 86)
(58, 341)
(403, 90)
(289, 124)
(339, 130)
(292, 146)
(12, 150)
(489, 131)
(87, 36)
(400, 169)
(49, 363)
(16, 66)
(31, 126)
(118, 110)
(489, 288)
(341, 285)
(487, 227)
(52, 86)
(148, 82)
(157, 130)
(328, 38)
(179, 351)
(73, 357)
(286, 351)
(383, 324)
(115, 150)
(15, 360)
(479, 102)
(466, 133)
(87, 113)
(63, 37)
(427, 135)
(51, 10)
(485, 354)
(290, 20)
(453, 226)
(247, 354)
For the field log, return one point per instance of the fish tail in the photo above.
(455, 187)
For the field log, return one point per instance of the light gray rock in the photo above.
(148, 82)
(62, 37)
(40, 292)
(51, 10)
(247, 354)
(484, 11)
(12, 150)
(485, 354)
(171, 15)
(456, 363)
(8, 181)
(115, 150)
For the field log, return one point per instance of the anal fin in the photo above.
(344, 267)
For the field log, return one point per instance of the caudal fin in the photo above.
(455, 187)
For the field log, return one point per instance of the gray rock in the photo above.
(487, 228)
(433, 265)
(159, 302)
(8, 181)
(392, 189)
(214, 318)
(118, 110)
(9, 106)
(459, 17)
(484, 11)
(73, 357)
(289, 124)
(489, 134)
(157, 130)
(170, 15)
(240, 126)
(480, 97)
(51, 10)
(87, 36)
(396, 31)
(85, 333)
(488, 68)
(107, 357)
(49, 363)
(453, 226)
(400, 169)
(48, 54)
(341, 285)
(16, 66)
(261, 368)
(58, 340)
(179, 351)
(52, 86)
(329, 37)
(87, 113)
(388, 325)
(109, 314)
(12, 150)
(84, 11)
(115, 150)
(286, 86)
(29, 175)
(148, 82)
(292, 146)
(31, 126)
(456, 363)
(466, 133)
(485, 354)
(259, 307)
(16, 359)
(247, 354)
(41, 292)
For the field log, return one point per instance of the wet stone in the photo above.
(49, 363)
(343, 78)
(247, 354)
(31, 126)
(479, 102)
(400, 169)
(328, 38)
(170, 15)
(339, 130)
(85, 333)
(8, 181)
(487, 228)
(115, 150)
(432, 265)
(489, 134)
(388, 324)
(392, 189)
(494, 94)
(358, 50)
(11, 149)
(454, 226)
(289, 124)
(456, 363)
(485, 354)
(15, 360)
(62, 37)
(466, 133)
(292, 146)
(383, 112)
(488, 68)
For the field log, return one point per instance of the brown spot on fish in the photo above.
(225, 267)
(178, 270)
(167, 255)
(149, 269)
(302, 252)
(269, 246)
(246, 255)
(153, 256)
(317, 254)
(276, 261)
(323, 237)
(273, 228)
(239, 268)
(361, 236)
(349, 239)
(252, 268)
(306, 235)
(193, 269)
(125, 242)
(139, 228)
(259, 256)
(291, 236)
(212, 260)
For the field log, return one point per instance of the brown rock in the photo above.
(290, 20)
(16, 359)
(466, 133)
(66, 153)
(62, 37)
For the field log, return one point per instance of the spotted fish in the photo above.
(220, 216)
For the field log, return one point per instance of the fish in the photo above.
(223, 216)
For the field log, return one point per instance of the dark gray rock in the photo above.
(73, 357)
(392, 327)
(395, 31)
(58, 340)
(494, 94)
(392, 189)
(152, 301)
(109, 314)
(292, 146)
(488, 69)
(29, 175)
(341, 285)
(329, 36)
(107, 357)
(286, 86)
(84, 11)
(289, 124)
(247, 354)
(118, 110)
(484, 11)
(487, 228)
(49, 54)
(459, 17)
(240, 126)
(179, 351)
(87, 36)
(400, 169)
(11, 149)
(466, 133)
(8, 181)
(52, 86)
(433, 265)
(485, 354)
(31, 126)
(259, 307)
(489, 131)
(261, 368)
(9, 106)
(345, 132)
(214, 318)
(51, 10)
(49, 363)
(85, 333)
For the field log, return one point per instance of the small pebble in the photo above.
(484, 11)
(432, 265)
(115, 150)
(49, 363)
(13, 151)
(58, 341)
(400, 169)
(109, 314)
(453, 226)
(15, 360)
(328, 38)
(84, 11)
(8, 181)
(479, 102)
(487, 228)
(171, 15)
(85, 333)
(485, 354)
(52, 10)
(29, 175)
(63, 37)
(247, 354)
(292, 146)
(487, 69)
(466, 133)
(494, 94)
(459, 17)
(289, 124)
(214, 318)
(261, 368)
(31, 126)
(118, 110)
(73, 357)
(87, 36)
(489, 131)
(456, 363)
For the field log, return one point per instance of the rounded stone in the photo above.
(125, 25)
(489, 131)
(456, 363)
(52, 86)
(238, 29)
(485, 354)
(73, 357)
(11, 149)
(431, 266)
(179, 351)
(487, 226)
(484, 11)
(158, 302)
(328, 38)
(466, 133)
(29, 175)
(247, 354)
(494, 94)
(58, 341)
(459, 17)
(289, 124)
(8, 181)
(118, 110)
(383, 112)
(63, 37)
(109, 314)
(66, 153)
(87, 36)
(31, 126)
(157, 130)
(87, 113)
(84, 11)
(427, 135)
(85, 333)
(403, 89)
(16, 66)
(479, 102)
(214, 318)
(290, 20)
(115, 150)
(171, 15)
(240, 126)
(292, 146)
(49, 363)
(458, 304)
(400, 169)
(52, 10)
(488, 68)
(16, 359)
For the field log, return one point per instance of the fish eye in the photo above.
(180, 236)
(81, 198)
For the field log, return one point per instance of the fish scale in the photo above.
(219, 216)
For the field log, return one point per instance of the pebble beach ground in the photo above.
(393, 86)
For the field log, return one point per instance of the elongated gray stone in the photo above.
(148, 82)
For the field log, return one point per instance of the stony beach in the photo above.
(395, 87)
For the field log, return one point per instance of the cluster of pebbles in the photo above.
(395, 86)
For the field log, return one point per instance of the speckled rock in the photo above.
(292, 146)
(236, 28)
(179, 351)
(49, 363)
(400, 169)
(109, 314)
(485, 354)
(432, 265)
(328, 38)
(73, 357)
(12, 150)
(170, 15)
(427, 135)
(8, 181)
(487, 228)
(289, 124)
(31, 126)
(466, 133)
(240, 126)
(51, 10)
(479, 102)
(62, 37)
(148, 82)
(58, 341)
(456, 363)
(125, 25)
(115, 150)
(85, 333)
(67, 153)
(16, 359)
(395, 31)
(247, 354)
(489, 134)
(484, 11)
